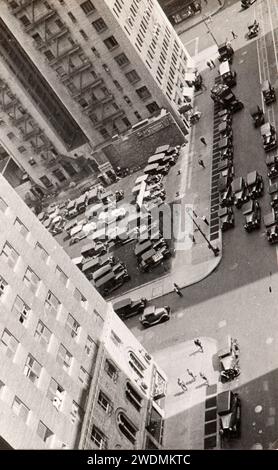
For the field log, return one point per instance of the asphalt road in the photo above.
(240, 297)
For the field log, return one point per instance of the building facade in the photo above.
(72, 375)
(86, 71)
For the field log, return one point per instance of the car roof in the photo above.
(224, 67)
(251, 177)
(90, 264)
(269, 219)
(265, 85)
(103, 280)
(237, 184)
(151, 167)
(162, 148)
(265, 128)
(248, 207)
(141, 247)
(273, 188)
(224, 402)
(156, 158)
(102, 271)
(223, 212)
(148, 254)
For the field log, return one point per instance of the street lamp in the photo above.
(206, 18)
(210, 246)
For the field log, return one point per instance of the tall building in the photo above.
(72, 375)
(83, 72)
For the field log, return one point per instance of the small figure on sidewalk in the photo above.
(182, 385)
(192, 238)
(177, 290)
(234, 35)
(201, 163)
(203, 140)
(198, 343)
(191, 374)
(179, 172)
(212, 63)
(204, 219)
(209, 64)
(204, 378)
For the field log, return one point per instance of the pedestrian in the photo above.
(209, 64)
(198, 343)
(234, 35)
(212, 63)
(182, 385)
(204, 219)
(203, 140)
(179, 172)
(191, 374)
(177, 290)
(201, 163)
(192, 238)
(204, 378)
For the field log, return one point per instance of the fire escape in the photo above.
(74, 69)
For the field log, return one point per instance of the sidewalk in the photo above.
(196, 261)
(212, 8)
(190, 416)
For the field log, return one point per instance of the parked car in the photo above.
(255, 184)
(228, 355)
(227, 219)
(153, 315)
(257, 115)
(227, 75)
(268, 92)
(273, 191)
(252, 213)
(272, 165)
(253, 30)
(225, 52)
(271, 225)
(127, 308)
(240, 192)
(229, 412)
(71, 210)
(269, 137)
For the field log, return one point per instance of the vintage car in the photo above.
(227, 153)
(268, 92)
(269, 137)
(152, 258)
(240, 192)
(235, 105)
(271, 225)
(225, 143)
(272, 166)
(226, 217)
(252, 213)
(229, 412)
(71, 210)
(153, 315)
(225, 52)
(273, 191)
(226, 197)
(228, 355)
(257, 115)
(127, 308)
(226, 169)
(253, 30)
(255, 184)
(246, 3)
(227, 75)
(225, 129)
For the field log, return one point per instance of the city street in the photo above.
(240, 297)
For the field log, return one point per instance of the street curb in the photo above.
(201, 20)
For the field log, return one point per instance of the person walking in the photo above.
(182, 385)
(192, 238)
(234, 35)
(209, 64)
(177, 290)
(204, 219)
(204, 378)
(203, 140)
(191, 374)
(212, 63)
(198, 343)
(201, 163)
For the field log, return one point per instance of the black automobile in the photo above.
(226, 197)
(229, 412)
(127, 308)
(272, 166)
(255, 184)
(240, 192)
(253, 30)
(273, 191)
(227, 219)
(225, 129)
(226, 169)
(153, 315)
(257, 115)
(221, 93)
(235, 105)
(268, 92)
(225, 142)
(227, 75)
(271, 225)
(252, 213)
(246, 3)
(225, 52)
(269, 137)
(227, 153)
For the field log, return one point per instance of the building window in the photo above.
(59, 175)
(99, 25)
(90, 347)
(152, 107)
(10, 135)
(143, 93)
(49, 55)
(64, 358)
(8, 344)
(105, 403)
(61, 275)
(21, 309)
(99, 438)
(111, 43)
(137, 115)
(132, 76)
(21, 228)
(136, 364)
(3, 285)
(95, 52)
(3, 206)
(84, 377)
(72, 17)
(122, 60)
(127, 100)
(115, 338)
(117, 85)
(42, 252)
(9, 255)
(43, 334)
(126, 427)
(79, 297)
(111, 370)
(87, 7)
(56, 394)
(126, 122)
(46, 181)
(25, 20)
(104, 133)
(44, 432)
(76, 413)
(20, 409)
(83, 34)
(52, 304)
(72, 326)
(133, 397)
(32, 369)
(31, 280)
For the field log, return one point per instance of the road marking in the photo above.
(273, 37)
(276, 253)
(222, 324)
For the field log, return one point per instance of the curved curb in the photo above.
(201, 21)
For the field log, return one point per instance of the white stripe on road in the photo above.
(277, 254)
(273, 37)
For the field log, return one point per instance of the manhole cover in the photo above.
(258, 409)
